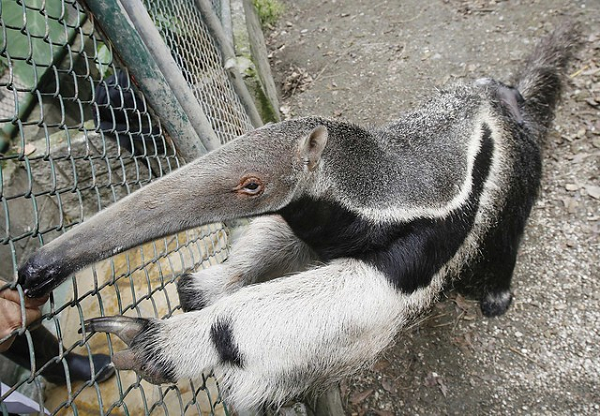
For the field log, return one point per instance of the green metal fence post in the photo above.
(148, 60)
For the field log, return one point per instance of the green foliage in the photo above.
(268, 11)
(104, 60)
(168, 22)
(31, 51)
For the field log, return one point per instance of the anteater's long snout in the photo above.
(202, 192)
(164, 207)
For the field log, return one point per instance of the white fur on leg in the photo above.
(295, 332)
(266, 250)
(269, 249)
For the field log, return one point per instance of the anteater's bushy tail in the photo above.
(541, 78)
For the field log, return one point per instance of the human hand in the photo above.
(11, 317)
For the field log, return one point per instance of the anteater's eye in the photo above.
(251, 186)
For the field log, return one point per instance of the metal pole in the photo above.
(226, 20)
(139, 45)
(229, 61)
(143, 23)
(260, 57)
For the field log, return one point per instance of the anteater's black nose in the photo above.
(39, 275)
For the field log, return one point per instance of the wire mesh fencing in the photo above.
(78, 135)
(183, 30)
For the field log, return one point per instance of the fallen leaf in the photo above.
(431, 379)
(29, 149)
(361, 396)
(571, 204)
(580, 157)
(296, 82)
(387, 385)
(464, 343)
(461, 302)
(469, 339)
(593, 191)
(470, 316)
(442, 386)
(381, 365)
(571, 187)
(592, 102)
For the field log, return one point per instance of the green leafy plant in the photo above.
(269, 11)
(104, 59)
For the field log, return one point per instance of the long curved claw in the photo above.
(124, 327)
(142, 356)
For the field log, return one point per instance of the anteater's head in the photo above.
(258, 173)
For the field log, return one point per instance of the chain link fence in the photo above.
(77, 135)
(183, 30)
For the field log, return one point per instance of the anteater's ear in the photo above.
(312, 145)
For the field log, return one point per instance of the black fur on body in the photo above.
(357, 231)
(409, 253)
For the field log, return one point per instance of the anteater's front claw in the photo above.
(144, 354)
(124, 327)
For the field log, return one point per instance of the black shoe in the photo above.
(46, 348)
(80, 369)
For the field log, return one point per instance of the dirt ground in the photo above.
(367, 61)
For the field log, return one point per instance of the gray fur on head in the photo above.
(358, 231)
